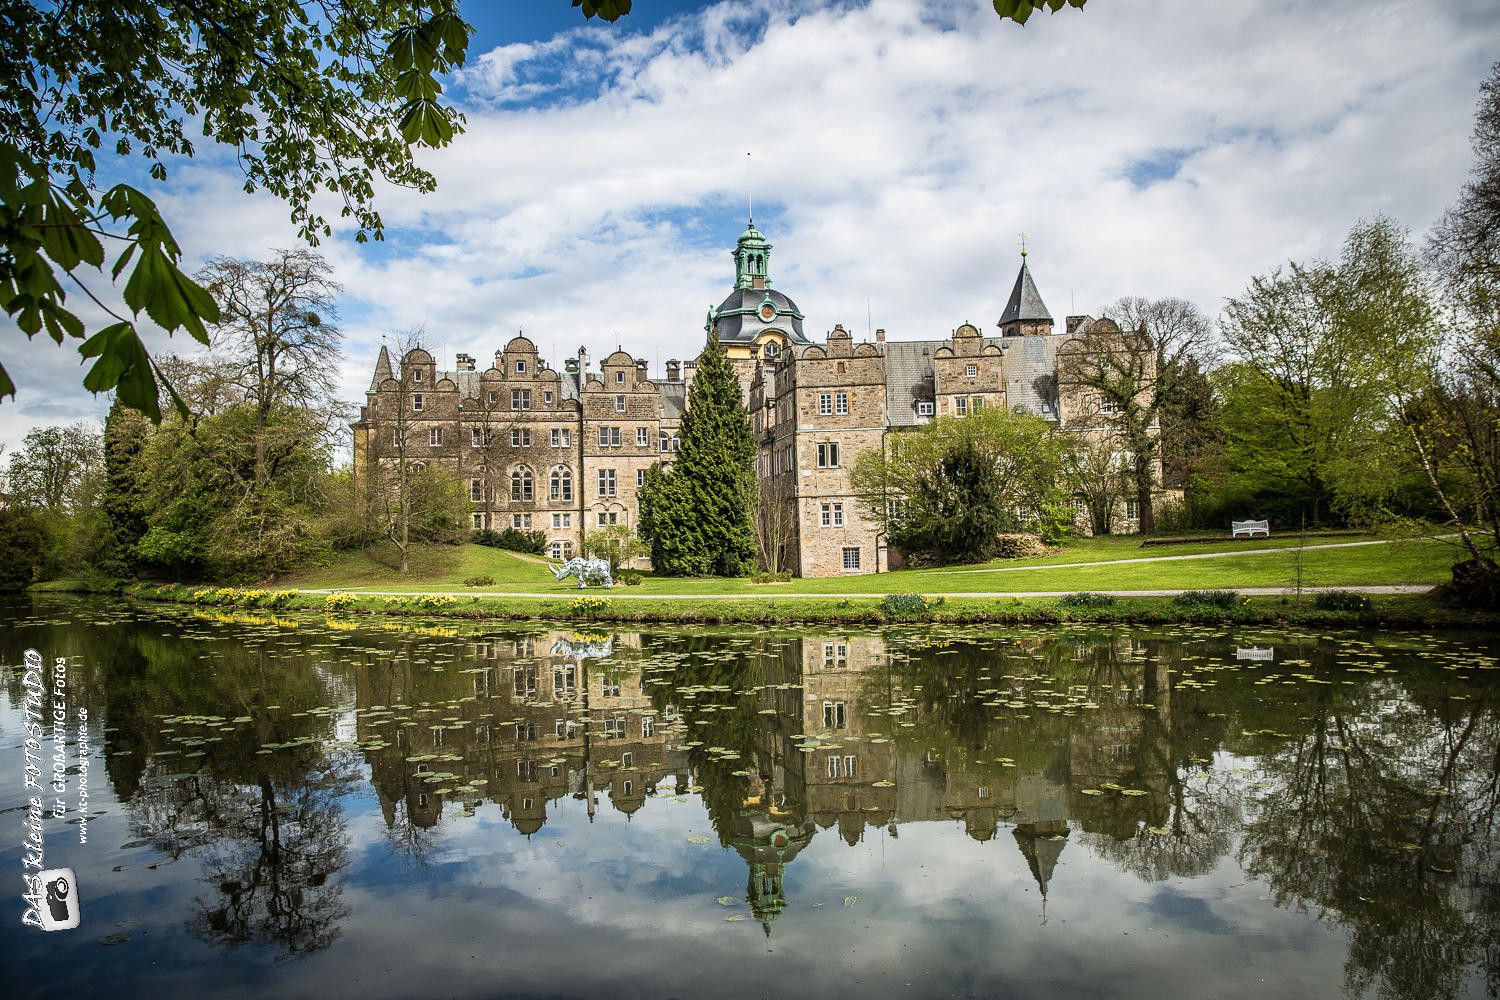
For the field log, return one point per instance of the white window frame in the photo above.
(620, 399)
(841, 403)
(971, 371)
(641, 437)
(924, 408)
(961, 406)
(851, 558)
(434, 437)
(416, 403)
(827, 516)
(825, 403)
(640, 478)
(607, 483)
(838, 515)
(520, 368)
(828, 454)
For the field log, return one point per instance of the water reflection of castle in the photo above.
(559, 715)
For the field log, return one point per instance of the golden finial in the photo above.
(1023, 244)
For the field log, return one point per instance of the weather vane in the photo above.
(1023, 244)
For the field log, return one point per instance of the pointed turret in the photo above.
(1041, 843)
(382, 369)
(1025, 314)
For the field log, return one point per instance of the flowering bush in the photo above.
(435, 602)
(279, 598)
(1342, 600)
(909, 604)
(339, 602)
(1210, 599)
(1085, 599)
(589, 605)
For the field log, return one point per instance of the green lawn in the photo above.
(444, 568)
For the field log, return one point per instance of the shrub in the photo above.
(1225, 599)
(1085, 599)
(845, 603)
(631, 578)
(479, 581)
(760, 576)
(1342, 600)
(339, 602)
(280, 598)
(908, 604)
(530, 542)
(588, 605)
(434, 602)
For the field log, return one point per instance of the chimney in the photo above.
(464, 363)
(673, 371)
(571, 365)
(640, 371)
(879, 336)
(583, 359)
(1077, 322)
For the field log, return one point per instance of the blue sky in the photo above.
(1147, 147)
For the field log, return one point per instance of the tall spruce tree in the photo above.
(699, 516)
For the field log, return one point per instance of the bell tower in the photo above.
(752, 259)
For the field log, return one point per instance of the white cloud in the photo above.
(1155, 148)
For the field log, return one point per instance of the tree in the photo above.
(1462, 434)
(945, 491)
(1015, 10)
(775, 520)
(275, 343)
(1095, 472)
(50, 469)
(23, 546)
(1325, 353)
(1126, 368)
(698, 516)
(617, 543)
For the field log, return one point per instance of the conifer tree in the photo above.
(698, 516)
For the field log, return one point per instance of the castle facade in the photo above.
(565, 452)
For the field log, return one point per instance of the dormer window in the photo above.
(924, 408)
(520, 368)
(416, 375)
(619, 378)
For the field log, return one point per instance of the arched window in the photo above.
(561, 487)
(676, 442)
(666, 442)
(520, 486)
(419, 467)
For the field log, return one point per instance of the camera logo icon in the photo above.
(59, 910)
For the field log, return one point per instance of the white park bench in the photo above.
(1249, 528)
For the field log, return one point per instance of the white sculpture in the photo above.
(585, 570)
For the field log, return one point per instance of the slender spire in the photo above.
(382, 367)
(1025, 304)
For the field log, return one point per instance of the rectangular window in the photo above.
(556, 437)
(835, 715)
(640, 478)
(520, 399)
(641, 440)
(924, 408)
(619, 378)
(609, 437)
(520, 368)
(961, 406)
(476, 437)
(606, 482)
(833, 767)
(972, 371)
(526, 437)
(478, 520)
(828, 455)
(627, 760)
(434, 437)
(1107, 405)
(416, 375)
(648, 726)
(557, 523)
(476, 490)
(1132, 510)
(608, 517)
(494, 398)
(827, 515)
(520, 521)
(620, 403)
(515, 438)
(838, 515)
(396, 438)
(825, 403)
(851, 558)
(976, 404)
(841, 403)
(851, 767)
(416, 403)
(609, 688)
(984, 791)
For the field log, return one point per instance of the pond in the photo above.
(258, 805)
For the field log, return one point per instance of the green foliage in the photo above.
(946, 491)
(1086, 599)
(1343, 600)
(1225, 599)
(697, 518)
(899, 605)
(513, 540)
(23, 543)
(764, 577)
(1016, 10)
(588, 605)
(479, 581)
(631, 578)
(608, 10)
(616, 543)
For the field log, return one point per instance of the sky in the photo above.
(898, 150)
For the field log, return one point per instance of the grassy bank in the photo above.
(443, 569)
(1402, 611)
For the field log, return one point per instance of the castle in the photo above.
(565, 452)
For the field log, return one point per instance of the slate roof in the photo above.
(1025, 301)
(1031, 372)
(739, 322)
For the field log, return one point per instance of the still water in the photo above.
(308, 807)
